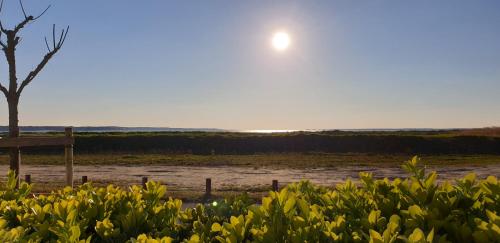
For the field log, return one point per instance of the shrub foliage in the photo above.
(413, 209)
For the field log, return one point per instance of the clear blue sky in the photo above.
(351, 64)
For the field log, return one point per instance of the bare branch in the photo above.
(22, 24)
(4, 90)
(1, 26)
(57, 46)
(22, 8)
(2, 29)
(65, 33)
(27, 18)
(61, 36)
(35, 18)
(35, 72)
(47, 44)
(4, 46)
(54, 35)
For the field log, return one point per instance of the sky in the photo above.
(210, 64)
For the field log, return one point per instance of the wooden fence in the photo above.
(144, 181)
(67, 141)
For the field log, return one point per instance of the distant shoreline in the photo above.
(104, 129)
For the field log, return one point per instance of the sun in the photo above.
(280, 41)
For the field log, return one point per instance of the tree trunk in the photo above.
(13, 101)
(15, 157)
(14, 92)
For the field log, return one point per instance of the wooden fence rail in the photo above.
(35, 141)
(67, 141)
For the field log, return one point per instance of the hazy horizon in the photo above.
(110, 128)
(350, 65)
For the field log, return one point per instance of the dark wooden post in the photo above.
(208, 187)
(68, 152)
(84, 179)
(27, 178)
(275, 185)
(144, 182)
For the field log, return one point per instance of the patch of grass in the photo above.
(487, 132)
(275, 161)
(283, 160)
(472, 141)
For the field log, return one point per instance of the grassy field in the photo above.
(288, 160)
(273, 161)
(431, 142)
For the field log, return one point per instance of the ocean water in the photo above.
(41, 129)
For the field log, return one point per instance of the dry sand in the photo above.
(192, 178)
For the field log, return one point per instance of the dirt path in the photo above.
(232, 177)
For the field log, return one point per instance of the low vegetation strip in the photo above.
(243, 143)
(412, 209)
(273, 160)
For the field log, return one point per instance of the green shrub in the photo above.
(413, 209)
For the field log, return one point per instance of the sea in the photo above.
(104, 129)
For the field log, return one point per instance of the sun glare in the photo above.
(281, 41)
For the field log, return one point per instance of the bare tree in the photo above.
(15, 89)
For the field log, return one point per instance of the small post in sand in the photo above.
(208, 188)
(275, 185)
(144, 182)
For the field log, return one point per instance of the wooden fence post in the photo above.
(84, 179)
(27, 178)
(208, 187)
(68, 152)
(144, 181)
(275, 185)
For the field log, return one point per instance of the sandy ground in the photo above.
(192, 178)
